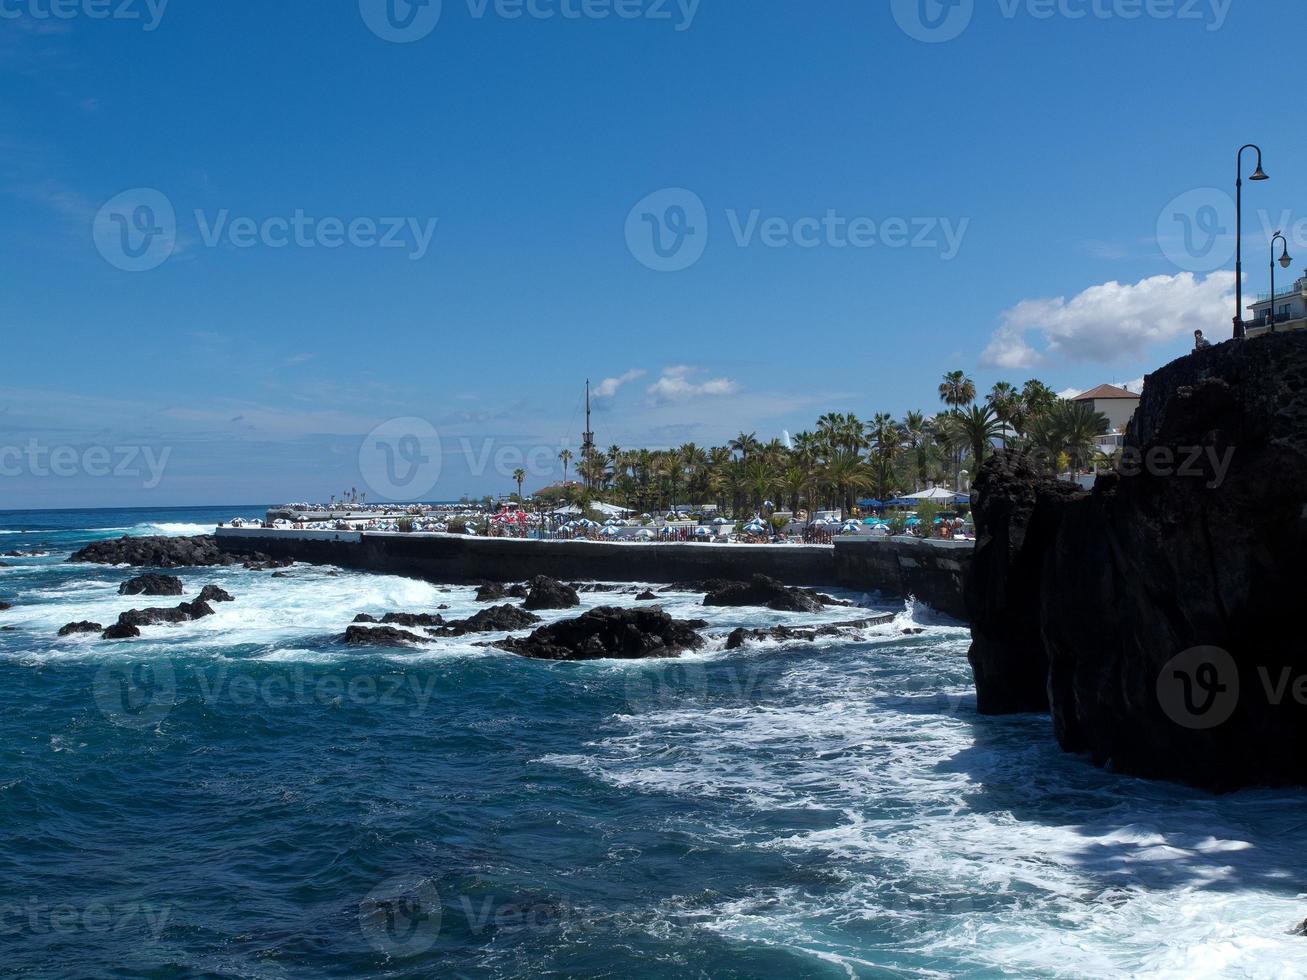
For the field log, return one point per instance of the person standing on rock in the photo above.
(1201, 342)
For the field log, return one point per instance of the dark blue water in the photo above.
(245, 797)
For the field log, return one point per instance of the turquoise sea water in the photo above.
(244, 797)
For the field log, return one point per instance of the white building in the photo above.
(1290, 305)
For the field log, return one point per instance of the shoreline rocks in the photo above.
(387, 636)
(496, 619)
(152, 584)
(762, 590)
(198, 551)
(83, 627)
(544, 592)
(496, 592)
(738, 637)
(609, 633)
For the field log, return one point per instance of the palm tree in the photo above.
(519, 477)
(744, 444)
(885, 436)
(565, 457)
(845, 475)
(1080, 427)
(917, 436)
(977, 427)
(957, 389)
(1003, 398)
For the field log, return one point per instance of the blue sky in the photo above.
(865, 211)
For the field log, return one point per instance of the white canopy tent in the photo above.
(934, 493)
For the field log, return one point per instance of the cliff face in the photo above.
(1157, 617)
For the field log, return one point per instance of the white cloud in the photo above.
(1107, 321)
(678, 384)
(608, 387)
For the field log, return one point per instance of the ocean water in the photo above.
(245, 797)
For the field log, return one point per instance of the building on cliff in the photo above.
(1289, 305)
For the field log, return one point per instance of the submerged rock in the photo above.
(211, 593)
(120, 631)
(158, 552)
(646, 596)
(764, 591)
(4, 606)
(387, 636)
(495, 592)
(133, 619)
(739, 637)
(151, 583)
(547, 593)
(82, 627)
(1157, 612)
(495, 619)
(608, 632)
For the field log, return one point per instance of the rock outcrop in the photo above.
(544, 592)
(156, 552)
(411, 620)
(784, 634)
(493, 620)
(763, 591)
(608, 632)
(1157, 613)
(497, 592)
(85, 626)
(384, 636)
(212, 593)
(151, 583)
(129, 623)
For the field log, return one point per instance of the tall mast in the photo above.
(588, 439)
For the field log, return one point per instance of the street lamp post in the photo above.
(1285, 261)
(1238, 232)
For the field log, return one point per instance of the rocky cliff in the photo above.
(1156, 617)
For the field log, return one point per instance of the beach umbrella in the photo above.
(721, 520)
(610, 532)
(645, 535)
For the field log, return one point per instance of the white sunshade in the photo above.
(934, 493)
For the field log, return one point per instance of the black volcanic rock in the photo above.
(1163, 610)
(495, 619)
(547, 593)
(151, 583)
(738, 637)
(82, 627)
(4, 606)
(608, 632)
(120, 631)
(158, 552)
(212, 593)
(647, 595)
(763, 591)
(155, 616)
(496, 592)
(386, 636)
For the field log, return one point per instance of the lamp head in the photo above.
(1260, 174)
(1285, 261)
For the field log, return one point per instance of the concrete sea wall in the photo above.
(931, 570)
